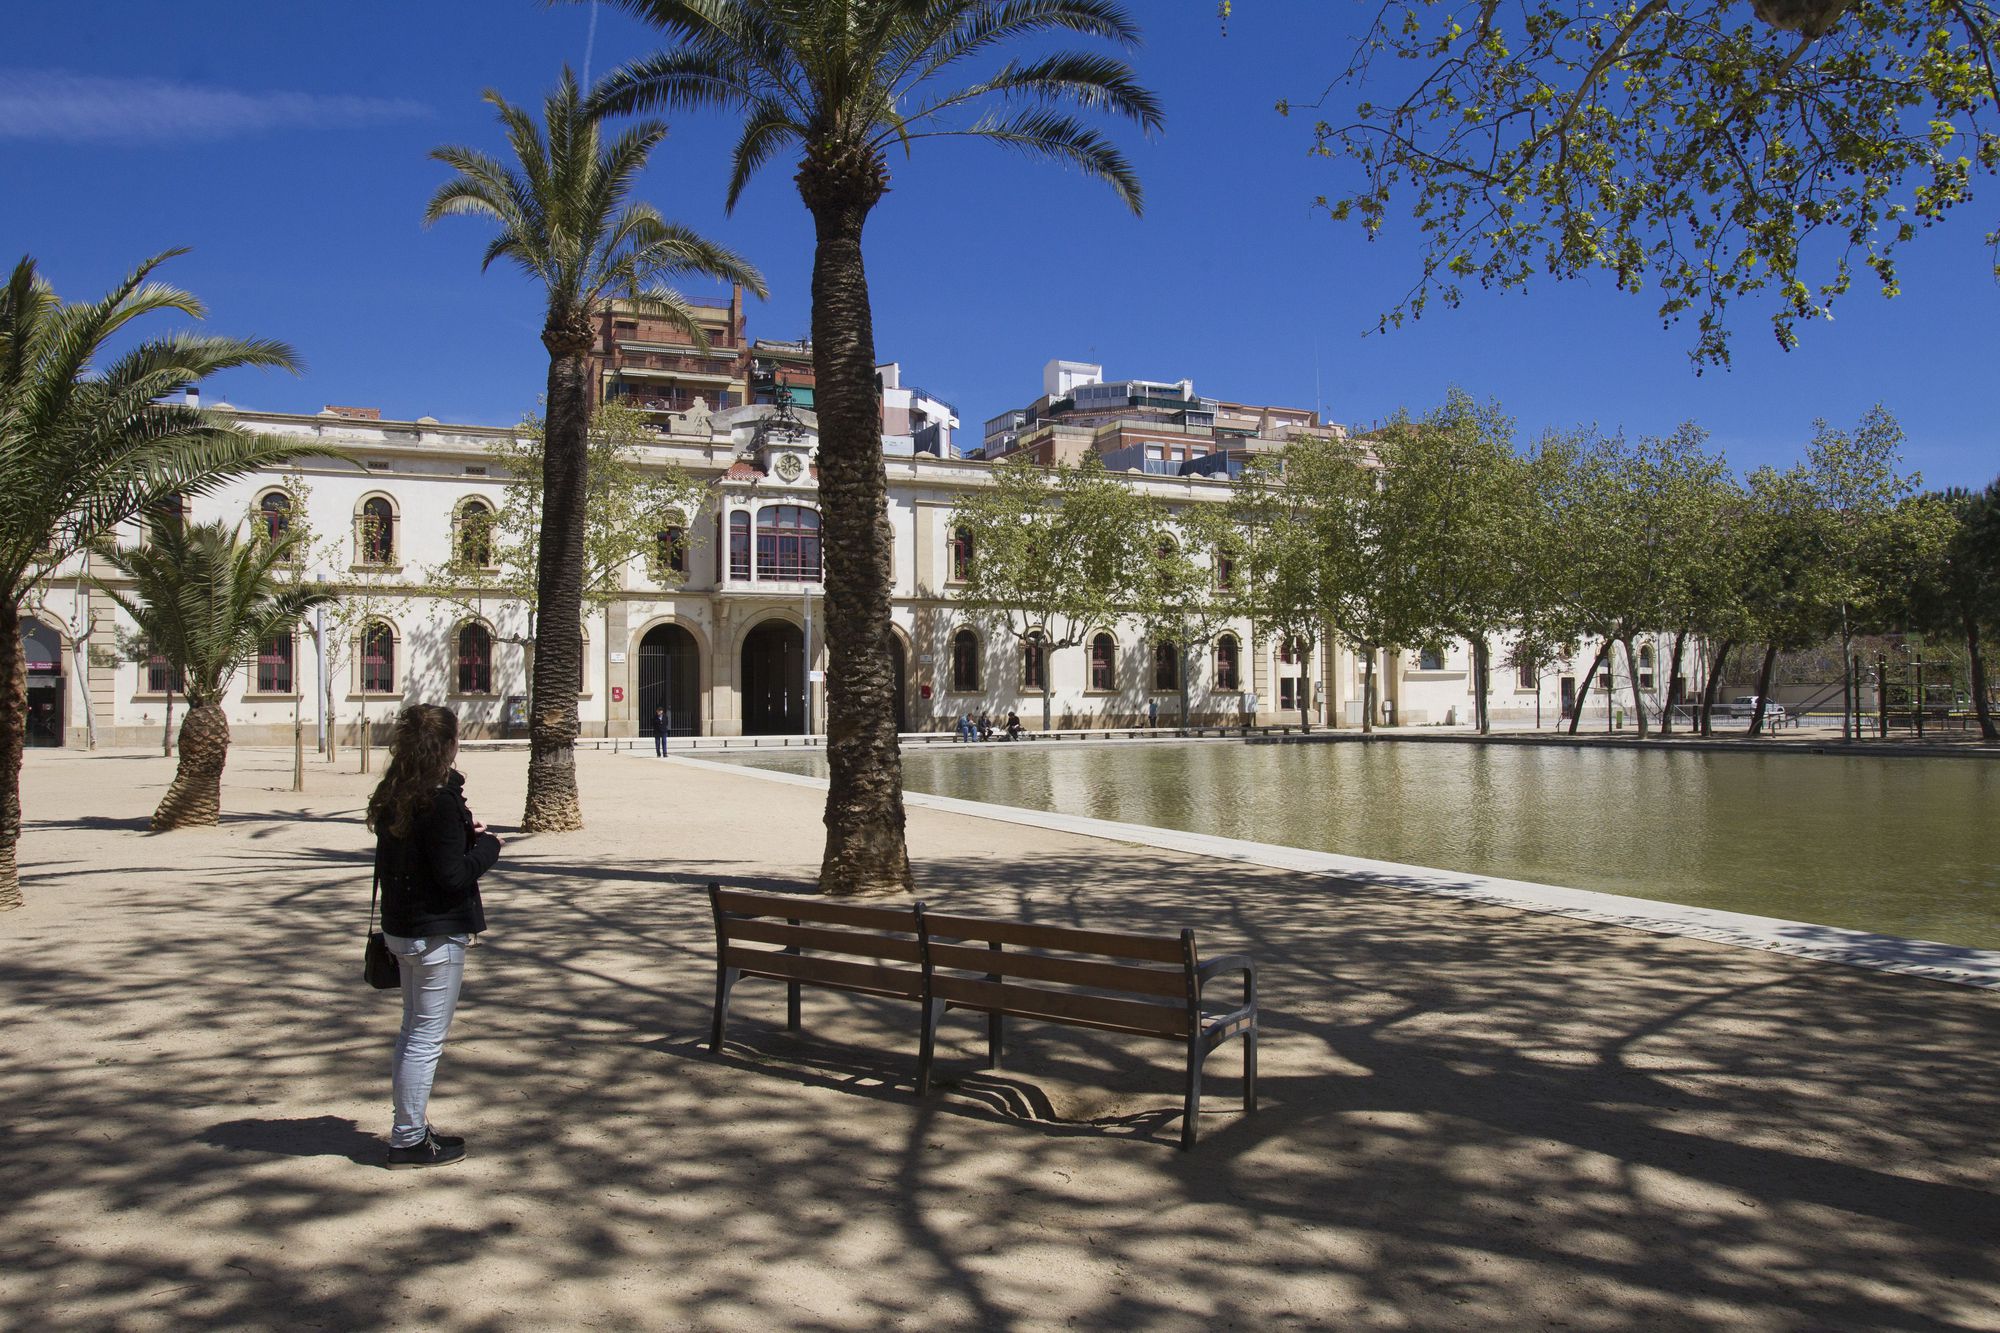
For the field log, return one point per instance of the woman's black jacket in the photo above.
(430, 879)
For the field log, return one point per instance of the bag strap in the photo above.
(374, 892)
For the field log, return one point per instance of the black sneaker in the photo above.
(432, 1151)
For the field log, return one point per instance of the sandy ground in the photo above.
(1472, 1118)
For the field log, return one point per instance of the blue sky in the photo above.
(287, 145)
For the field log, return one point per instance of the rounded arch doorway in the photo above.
(774, 680)
(670, 679)
(43, 648)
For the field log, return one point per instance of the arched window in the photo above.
(475, 659)
(274, 514)
(1646, 666)
(787, 543)
(1103, 662)
(378, 659)
(965, 661)
(961, 554)
(375, 532)
(1227, 657)
(1166, 666)
(170, 510)
(274, 664)
(472, 534)
(739, 545)
(1430, 659)
(670, 549)
(1034, 661)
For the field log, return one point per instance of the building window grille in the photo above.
(961, 554)
(472, 541)
(1225, 571)
(670, 550)
(378, 659)
(475, 659)
(788, 543)
(1525, 676)
(1166, 666)
(162, 676)
(170, 511)
(1034, 662)
(965, 661)
(1103, 662)
(375, 532)
(274, 515)
(1227, 657)
(274, 664)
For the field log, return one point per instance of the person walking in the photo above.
(429, 855)
(660, 732)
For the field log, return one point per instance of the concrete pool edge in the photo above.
(1956, 964)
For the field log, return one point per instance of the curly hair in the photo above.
(419, 763)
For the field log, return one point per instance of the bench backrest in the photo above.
(785, 938)
(1141, 984)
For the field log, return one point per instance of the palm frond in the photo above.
(1046, 134)
(767, 128)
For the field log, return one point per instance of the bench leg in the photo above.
(1250, 1068)
(725, 981)
(995, 1040)
(1191, 1112)
(927, 1045)
(792, 1006)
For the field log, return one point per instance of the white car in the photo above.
(1745, 705)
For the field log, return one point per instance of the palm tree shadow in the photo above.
(306, 1136)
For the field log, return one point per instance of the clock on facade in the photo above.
(789, 467)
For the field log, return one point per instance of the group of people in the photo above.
(979, 727)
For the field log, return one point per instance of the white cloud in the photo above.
(84, 108)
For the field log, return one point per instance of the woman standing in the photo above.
(429, 855)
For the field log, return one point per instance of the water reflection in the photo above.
(1903, 846)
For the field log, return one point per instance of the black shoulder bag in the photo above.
(378, 966)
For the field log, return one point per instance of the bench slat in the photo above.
(1074, 971)
(783, 906)
(1153, 948)
(1137, 1016)
(829, 941)
(868, 977)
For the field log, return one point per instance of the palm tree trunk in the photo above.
(553, 806)
(865, 848)
(194, 799)
(13, 739)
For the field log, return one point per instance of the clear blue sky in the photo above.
(287, 145)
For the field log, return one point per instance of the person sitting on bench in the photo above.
(1013, 725)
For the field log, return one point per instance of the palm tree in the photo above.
(566, 218)
(204, 599)
(82, 452)
(843, 82)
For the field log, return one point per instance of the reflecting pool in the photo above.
(1902, 846)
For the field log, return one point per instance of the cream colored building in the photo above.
(729, 646)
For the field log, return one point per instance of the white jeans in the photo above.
(432, 970)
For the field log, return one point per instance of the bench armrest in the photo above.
(1228, 962)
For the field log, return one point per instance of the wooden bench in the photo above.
(1136, 985)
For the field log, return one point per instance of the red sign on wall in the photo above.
(618, 694)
